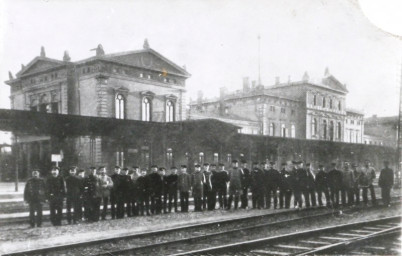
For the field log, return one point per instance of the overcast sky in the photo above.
(217, 41)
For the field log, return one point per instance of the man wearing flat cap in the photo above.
(184, 187)
(285, 187)
(221, 179)
(335, 184)
(56, 192)
(386, 181)
(115, 193)
(272, 179)
(235, 186)
(296, 187)
(321, 184)
(257, 187)
(198, 180)
(34, 195)
(245, 184)
(74, 189)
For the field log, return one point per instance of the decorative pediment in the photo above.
(333, 83)
(39, 64)
(171, 97)
(149, 59)
(147, 94)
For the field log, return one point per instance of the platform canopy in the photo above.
(60, 125)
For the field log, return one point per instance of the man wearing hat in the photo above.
(34, 195)
(235, 186)
(335, 184)
(125, 204)
(285, 188)
(156, 188)
(272, 179)
(198, 181)
(296, 186)
(105, 184)
(184, 186)
(171, 188)
(356, 189)
(135, 173)
(307, 181)
(321, 184)
(74, 187)
(214, 184)
(91, 196)
(56, 191)
(257, 186)
(207, 190)
(221, 179)
(143, 193)
(245, 184)
(115, 193)
(348, 181)
(367, 177)
(386, 181)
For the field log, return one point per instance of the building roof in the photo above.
(354, 111)
(146, 58)
(224, 118)
(381, 120)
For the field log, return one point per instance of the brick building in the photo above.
(304, 109)
(136, 85)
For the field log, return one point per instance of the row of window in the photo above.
(353, 121)
(324, 127)
(283, 110)
(44, 78)
(284, 132)
(325, 103)
(52, 107)
(146, 108)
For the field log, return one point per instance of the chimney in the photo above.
(326, 72)
(222, 92)
(277, 81)
(199, 96)
(42, 52)
(66, 56)
(253, 84)
(246, 84)
(306, 77)
(146, 44)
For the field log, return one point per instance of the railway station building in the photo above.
(303, 109)
(134, 85)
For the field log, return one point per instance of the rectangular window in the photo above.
(283, 110)
(169, 157)
(229, 158)
(352, 121)
(216, 157)
(272, 108)
(292, 112)
(120, 158)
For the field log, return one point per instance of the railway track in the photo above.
(175, 240)
(338, 239)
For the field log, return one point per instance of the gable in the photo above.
(333, 83)
(149, 59)
(39, 64)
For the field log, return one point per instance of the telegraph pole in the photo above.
(398, 167)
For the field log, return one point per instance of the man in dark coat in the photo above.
(235, 186)
(208, 189)
(220, 179)
(56, 191)
(335, 184)
(171, 188)
(272, 179)
(321, 184)
(34, 195)
(92, 198)
(386, 181)
(296, 186)
(125, 184)
(307, 181)
(245, 184)
(115, 194)
(156, 189)
(184, 186)
(356, 188)
(105, 184)
(74, 186)
(285, 188)
(143, 193)
(213, 182)
(257, 187)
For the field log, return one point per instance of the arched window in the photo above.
(315, 100)
(146, 109)
(331, 130)
(339, 131)
(324, 129)
(339, 105)
(293, 131)
(314, 127)
(323, 102)
(272, 129)
(120, 102)
(169, 111)
(330, 103)
(283, 130)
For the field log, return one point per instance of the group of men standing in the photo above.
(132, 192)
